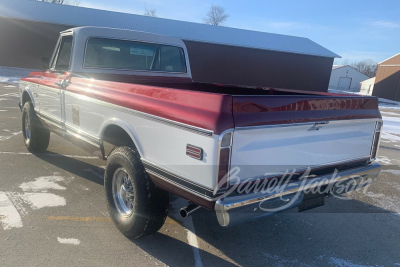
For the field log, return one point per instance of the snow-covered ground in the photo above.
(383, 103)
(391, 127)
(8, 74)
(344, 92)
(386, 103)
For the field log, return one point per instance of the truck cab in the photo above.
(128, 97)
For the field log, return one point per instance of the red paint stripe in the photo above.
(267, 110)
(205, 110)
(194, 149)
(213, 111)
(194, 155)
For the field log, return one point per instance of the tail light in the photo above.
(224, 159)
(377, 139)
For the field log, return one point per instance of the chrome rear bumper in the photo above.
(236, 209)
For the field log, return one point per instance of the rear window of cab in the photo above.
(133, 55)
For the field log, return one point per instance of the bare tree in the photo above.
(150, 12)
(216, 15)
(62, 2)
(368, 67)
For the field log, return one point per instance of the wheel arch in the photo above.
(27, 96)
(117, 133)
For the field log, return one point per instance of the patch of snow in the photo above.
(41, 200)
(395, 172)
(383, 160)
(9, 74)
(391, 129)
(334, 91)
(344, 263)
(83, 187)
(387, 113)
(373, 195)
(278, 261)
(69, 241)
(385, 202)
(17, 202)
(386, 103)
(36, 192)
(43, 184)
(9, 216)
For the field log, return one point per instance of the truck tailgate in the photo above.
(274, 134)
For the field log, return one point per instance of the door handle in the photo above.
(35, 94)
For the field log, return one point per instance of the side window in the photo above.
(130, 55)
(63, 55)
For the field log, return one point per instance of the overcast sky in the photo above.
(354, 29)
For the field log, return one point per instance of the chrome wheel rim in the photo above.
(123, 194)
(27, 127)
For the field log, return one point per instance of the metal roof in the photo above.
(80, 16)
(334, 67)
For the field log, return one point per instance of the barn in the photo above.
(220, 55)
(387, 83)
(346, 78)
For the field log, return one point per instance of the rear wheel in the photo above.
(36, 137)
(136, 206)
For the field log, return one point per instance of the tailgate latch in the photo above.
(317, 126)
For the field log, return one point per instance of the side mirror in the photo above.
(45, 61)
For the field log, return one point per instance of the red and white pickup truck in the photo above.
(128, 98)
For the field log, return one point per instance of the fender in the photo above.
(28, 91)
(123, 125)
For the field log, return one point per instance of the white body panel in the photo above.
(271, 151)
(158, 143)
(49, 101)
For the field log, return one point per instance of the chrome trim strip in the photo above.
(84, 139)
(221, 136)
(158, 167)
(180, 125)
(236, 209)
(49, 121)
(81, 133)
(71, 131)
(318, 181)
(179, 185)
(49, 117)
(378, 123)
(251, 179)
(301, 124)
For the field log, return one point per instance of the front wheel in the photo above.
(136, 206)
(36, 137)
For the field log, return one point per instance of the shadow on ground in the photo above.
(77, 167)
(343, 232)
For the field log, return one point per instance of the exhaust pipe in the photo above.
(186, 211)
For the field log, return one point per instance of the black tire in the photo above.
(150, 203)
(38, 138)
